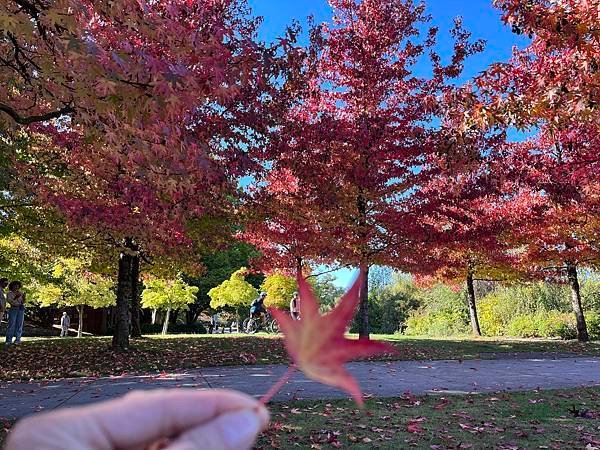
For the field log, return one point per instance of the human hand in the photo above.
(162, 419)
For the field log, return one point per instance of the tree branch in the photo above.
(327, 271)
(36, 118)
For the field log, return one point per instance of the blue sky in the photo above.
(479, 16)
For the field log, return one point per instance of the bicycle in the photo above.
(252, 325)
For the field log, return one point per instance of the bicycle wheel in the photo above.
(245, 325)
(273, 327)
(252, 326)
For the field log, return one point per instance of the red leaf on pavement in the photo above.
(317, 343)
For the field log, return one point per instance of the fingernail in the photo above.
(241, 427)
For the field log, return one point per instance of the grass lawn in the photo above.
(566, 419)
(50, 358)
(562, 419)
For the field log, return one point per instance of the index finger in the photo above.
(151, 415)
(140, 417)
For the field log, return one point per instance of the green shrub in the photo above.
(527, 310)
(590, 294)
(556, 324)
(522, 326)
(566, 331)
(593, 324)
(418, 324)
(517, 310)
(444, 313)
(543, 324)
(436, 324)
(491, 320)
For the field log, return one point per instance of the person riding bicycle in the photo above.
(257, 307)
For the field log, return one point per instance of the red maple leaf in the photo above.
(317, 343)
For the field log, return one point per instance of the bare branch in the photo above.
(326, 272)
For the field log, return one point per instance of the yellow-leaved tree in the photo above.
(167, 295)
(73, 285)
(235, 293)
(279, 288)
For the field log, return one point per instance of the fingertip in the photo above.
(233, 430)
(263, 414)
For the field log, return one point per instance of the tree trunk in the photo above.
(582, 333)
(363, 307)
(136, 329)
(120, 339)
(472, 305)
(154, 313)
(298, 265)
(166, 322)
(110, 322)
(80, 327)
(190, 315)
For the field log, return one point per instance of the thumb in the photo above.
(236, 430)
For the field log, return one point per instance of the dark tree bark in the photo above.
(582, 332)
(472, 305)
(363, 307)
(111, 319)
(27, 120)
(120, 339)
(136, 329)
(174, 316)
(145, 315)
(192, 314)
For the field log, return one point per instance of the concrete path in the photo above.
(382, 379)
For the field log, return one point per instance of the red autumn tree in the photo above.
(360, 139)
(279, 223)
(470, 223)
(150, 102)
(561, 235)
(552, 87)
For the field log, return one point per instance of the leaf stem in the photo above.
(277, 386)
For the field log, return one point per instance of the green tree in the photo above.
(393, 302)
(72, 285)
(218, 267)
(234, 292)
(326, 291)
(279, 288)
(19, 260)
(167, 295)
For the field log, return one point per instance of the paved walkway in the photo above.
(384, 379)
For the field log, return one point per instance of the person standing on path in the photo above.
(65, 323)
(295, 306)
(16, 313)
(3, 284)
(214, 323)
